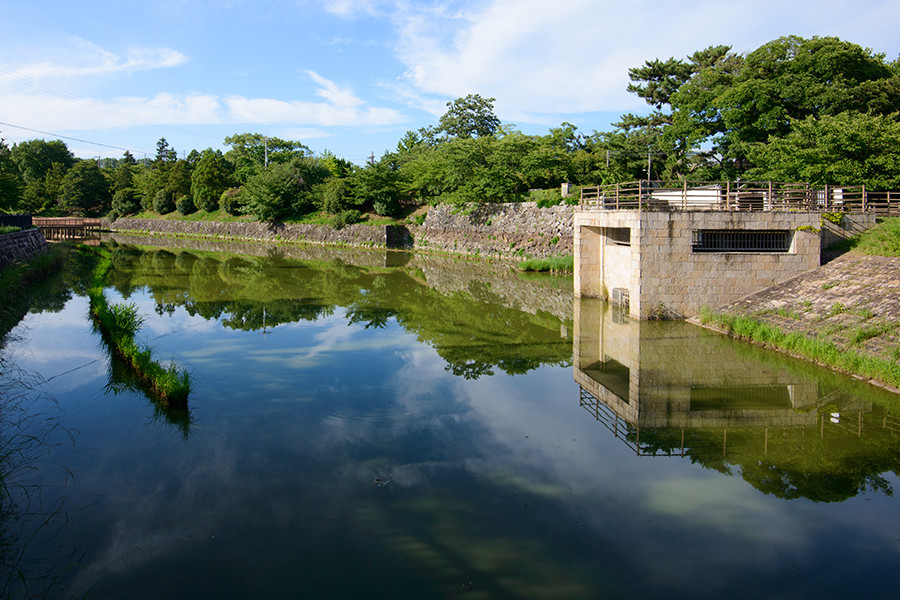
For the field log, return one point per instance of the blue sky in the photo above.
(352, 76)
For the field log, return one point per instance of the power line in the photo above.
(93, 105)
(66, 137)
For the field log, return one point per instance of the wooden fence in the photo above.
(738, 196)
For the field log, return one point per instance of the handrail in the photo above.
(737, 196)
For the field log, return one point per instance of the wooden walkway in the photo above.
(67, 228)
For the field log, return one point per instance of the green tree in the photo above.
(283, 189)
(251, 152)
(736, 102)
(378, 183)
(10, 180)
(84, 190)
(471, 116)
(42, 165)
(211, 177)
(847, 148)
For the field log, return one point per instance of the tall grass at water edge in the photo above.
(118, 324)
(553, 264)
(813, 348)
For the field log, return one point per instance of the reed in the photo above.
(553, 264)
(118, 324)
(813, 348)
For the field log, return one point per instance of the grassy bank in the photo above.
(15, 280)
(553, 264)
(814, 348)
(118, 325)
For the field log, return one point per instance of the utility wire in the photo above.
(93, 105)
(66, 137)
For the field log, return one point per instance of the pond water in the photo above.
(382, 425)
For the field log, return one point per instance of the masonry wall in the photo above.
(666, 279)
(21, 245)
(521, 230)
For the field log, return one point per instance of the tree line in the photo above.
(818, 110)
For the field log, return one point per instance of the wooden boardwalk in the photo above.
(67, 228)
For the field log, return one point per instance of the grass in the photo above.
(553, 264)
(816, 349)
(118, 325)
(881, 240)
(4, 229)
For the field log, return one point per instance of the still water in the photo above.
(371, 425)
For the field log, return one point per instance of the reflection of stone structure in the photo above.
(651, 375)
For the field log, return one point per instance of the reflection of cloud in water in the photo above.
(62, 346)
(711, 500)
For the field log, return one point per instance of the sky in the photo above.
(352, 76)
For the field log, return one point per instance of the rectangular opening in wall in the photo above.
(612, 375)
(741, 240)
(619, 236)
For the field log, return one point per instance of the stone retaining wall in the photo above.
(520, 230)
(516, 231)
(351, 235)
(21, 245)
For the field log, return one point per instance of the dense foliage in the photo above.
(817, 110)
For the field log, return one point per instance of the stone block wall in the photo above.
(666, 279)
(21, 245)
(351, 235)
(520, 230)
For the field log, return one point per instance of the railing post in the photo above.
(684, 196)
(771, 199)
(617, 195)
(640, 193)
(728, 195)
(864, 203)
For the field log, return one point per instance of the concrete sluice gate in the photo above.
(670, 264)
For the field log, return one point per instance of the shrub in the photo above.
(125, 202)
(231, 201)
(163, 203)
(185, 205)
(346, 217)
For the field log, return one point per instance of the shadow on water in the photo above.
(789, 428)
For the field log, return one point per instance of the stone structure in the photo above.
(515, 231)
(21, 245)
(521, 230)
(351, 235)
(657, 262)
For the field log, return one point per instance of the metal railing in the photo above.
(737, 196)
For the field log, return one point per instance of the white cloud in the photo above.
(568, 56)
(44, 107)
(81, 59)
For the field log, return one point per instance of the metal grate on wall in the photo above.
(620, 236)
(752, 240)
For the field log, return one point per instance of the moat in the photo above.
(387, 425)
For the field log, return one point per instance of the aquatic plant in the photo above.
(552, 264)
(814, 348)
(118, 325)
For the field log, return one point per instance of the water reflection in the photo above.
(479, 323)
(790, 428)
